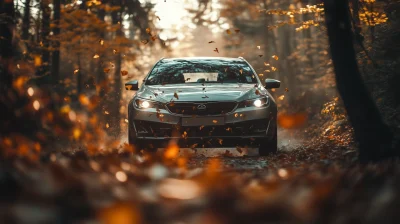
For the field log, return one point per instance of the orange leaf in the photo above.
(292, 120)
(124, 73)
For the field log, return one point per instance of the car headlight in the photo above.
(144, 104)
(260, 102)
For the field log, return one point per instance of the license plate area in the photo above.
(203, 121)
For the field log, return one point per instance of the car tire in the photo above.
(269, 146)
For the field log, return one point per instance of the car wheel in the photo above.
(269, 146)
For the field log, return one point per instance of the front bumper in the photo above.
(244, 126)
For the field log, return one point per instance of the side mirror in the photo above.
(272, 83)
(132, 85)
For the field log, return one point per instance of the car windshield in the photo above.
(180, 71)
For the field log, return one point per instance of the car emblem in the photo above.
(201, 106)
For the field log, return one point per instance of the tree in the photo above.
(55, 57)
(26, 20)
(373, 135)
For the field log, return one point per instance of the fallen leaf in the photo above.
(101, 41)
(106, 112)
(275, 57)
(210, 42)
(144, 41)
(237, 30)
(158, 18)
(106, 70)
(257, 92)
(286, 90)
(126, 120)
(241, 71)
(215, 121)
(266, 64)
(115, 51)
(107, 125)
(148, 30)
(96, 56)
(228, 31)
(220, 141)
(259, 47)
(239, 149)
(260, 55)
(216, 50)
(76, 71)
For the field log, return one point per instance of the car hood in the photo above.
(200, 93)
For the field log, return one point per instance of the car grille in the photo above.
(201, 108)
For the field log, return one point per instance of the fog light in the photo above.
(257, 103)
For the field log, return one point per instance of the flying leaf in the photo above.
(273, 68)
(266, 64)
(101, 41)
(286, 90)
(201, 127)
(210, 42)
(241, 71)
(106, 70)
(259, 47)
(115, 51)
(107, 125)
(292, 120)
(237, 30)
(158, 18)
(239, 149)
(153, 38)
(205, 96)
(145, 41)
(148, 30)
(281, 97)
(106, 112)
(261, 75)
(228, 31)
(220, 141)
(124, 73)
(216, 50)
(176, 95)
(187, 79)
(275, 57)
(257, 92)
(215, 121)
(76, 71)
(260, 55)
(96, 56)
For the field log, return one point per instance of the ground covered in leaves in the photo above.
(316, 181)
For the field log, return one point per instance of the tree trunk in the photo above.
(26, 20)
(373, 135)
(45, 31)
(116, 94)
(55, 57)
(10, 99)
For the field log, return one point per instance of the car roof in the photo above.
(230, 59)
